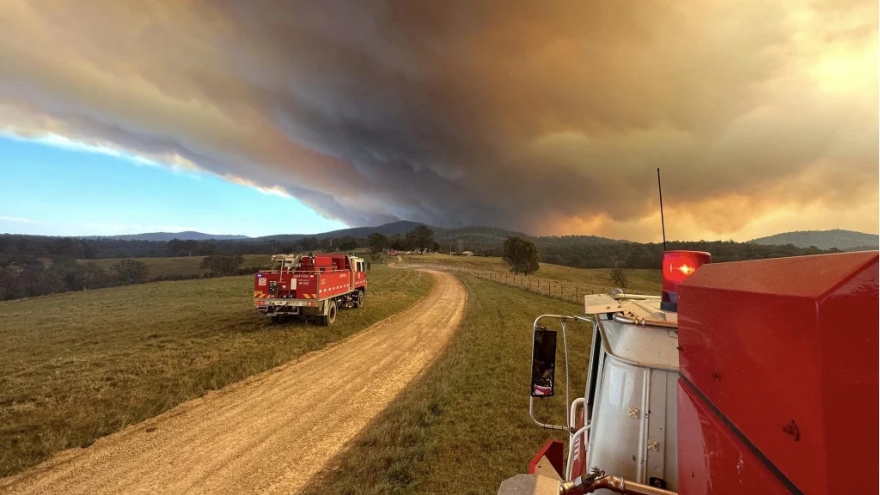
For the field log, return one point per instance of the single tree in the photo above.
(377, 243)
(421, 237)
(521, 255)
(618, 277)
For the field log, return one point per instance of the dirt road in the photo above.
(267, 434)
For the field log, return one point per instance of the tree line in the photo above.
(29, 276)
(37, 265)
(12, 245)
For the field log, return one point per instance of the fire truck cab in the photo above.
(629, 403)
(743, 377)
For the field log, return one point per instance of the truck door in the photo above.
(355, 268)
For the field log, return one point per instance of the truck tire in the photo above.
(330, 317)
(358, 299)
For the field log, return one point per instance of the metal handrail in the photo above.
(636, 320)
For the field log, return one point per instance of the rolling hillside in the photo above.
(845, 240)
(167, 236)
(388, 229)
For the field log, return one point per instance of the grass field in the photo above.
(78, 366)
(559, 281)
(464, 426)
(181, 266)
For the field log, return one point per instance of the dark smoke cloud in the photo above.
(545, 117)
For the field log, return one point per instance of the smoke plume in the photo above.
(546, 117)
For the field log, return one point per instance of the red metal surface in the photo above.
(786, 351)
(712, 460)
(316, 262)
(323, 277)
(334, 284)
(554, 450)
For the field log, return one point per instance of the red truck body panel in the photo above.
(712, 460)
(779, 379)
(321, 277)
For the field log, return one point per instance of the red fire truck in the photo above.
(311, 286)
(749, 377)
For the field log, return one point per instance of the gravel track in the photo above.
(271, 432)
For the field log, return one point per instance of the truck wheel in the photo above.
(331, 314)
(359, 299)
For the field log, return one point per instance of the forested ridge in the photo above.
(36, 265)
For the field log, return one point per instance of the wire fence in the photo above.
(566, 291)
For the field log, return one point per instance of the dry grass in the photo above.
(559, 281)
(181, 265)
(78, 366)
(464, 426)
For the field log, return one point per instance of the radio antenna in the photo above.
(662, 221)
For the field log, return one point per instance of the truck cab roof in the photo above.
(645, 346)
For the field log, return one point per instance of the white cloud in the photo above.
(19, 220)
(171, 161)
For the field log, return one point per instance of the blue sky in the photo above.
(56, 190)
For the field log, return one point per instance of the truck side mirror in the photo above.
(543, 362)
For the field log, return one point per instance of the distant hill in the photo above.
(492, 238)
(167, 236)
(388, 229)
(475, 238)
(581, 251)
(845, 240)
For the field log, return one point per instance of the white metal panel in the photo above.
(614, 431)
(661, 442)
(652, 347)
(601, 304)
(632, 434)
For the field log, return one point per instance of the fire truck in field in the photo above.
(312, 286)
(750, 377)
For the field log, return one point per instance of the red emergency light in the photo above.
(677, 266)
